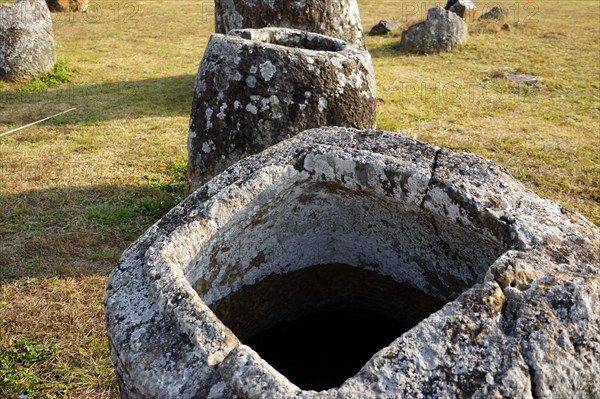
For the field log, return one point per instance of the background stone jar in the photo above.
(255, 88)
(486, 289)
(68, 5)
(26, 40)
(335, 18)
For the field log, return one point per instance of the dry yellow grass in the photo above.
(76, 191)
(64, 320)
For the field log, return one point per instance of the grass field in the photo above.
(77, 190)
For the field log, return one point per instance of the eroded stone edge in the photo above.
(577, 232)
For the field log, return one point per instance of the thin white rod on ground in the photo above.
(35, 123)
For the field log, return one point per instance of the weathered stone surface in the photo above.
(257, 87)
(462, 8)
(68, 5)
(497, 13)
(520, 274)
(384, 27)
(442, 31)
(335, 18)
(26, 40)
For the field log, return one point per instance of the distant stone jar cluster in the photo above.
(303, 219)
(444, 29)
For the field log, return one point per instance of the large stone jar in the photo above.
(336, 18)
(500, 288)
(255, 88)
(26, 40)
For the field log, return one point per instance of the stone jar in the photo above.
(68, 5)
(255, 88)
(335, 18)
(443, 30)
(26, 40)
(516, 277)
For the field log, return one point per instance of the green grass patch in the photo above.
(18, 375)
(170, 193)
(109, 214)
(155, 207)
(59, 75)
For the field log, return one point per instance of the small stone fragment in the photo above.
(510, 75)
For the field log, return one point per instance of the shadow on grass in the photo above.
(157, 97)
(76, 231)
(389, 49)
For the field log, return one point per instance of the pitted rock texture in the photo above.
(257, 87)
(26, 40)
(520, 274)
(68, 5)
(443, 30)
(335, 18)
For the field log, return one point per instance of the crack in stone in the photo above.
(454, 253)
(434, 166)
(534, 390)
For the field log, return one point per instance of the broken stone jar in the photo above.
(335, 18)
(257, 87)
(358, 264)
